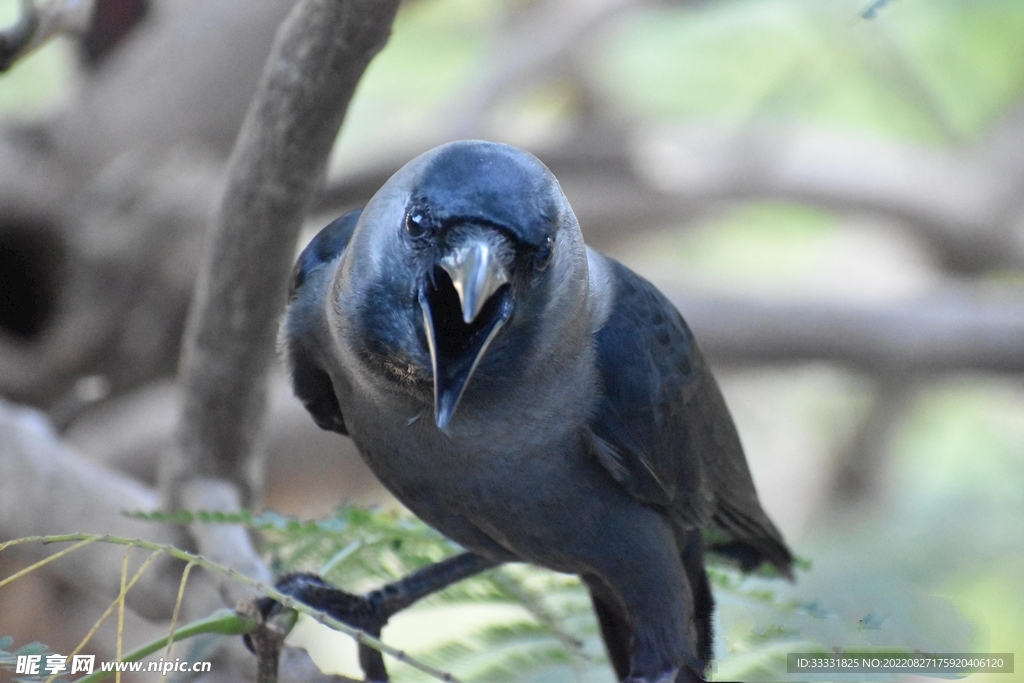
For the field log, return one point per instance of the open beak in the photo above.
(476, 274)
(463, 308)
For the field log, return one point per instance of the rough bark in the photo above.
(319, 55)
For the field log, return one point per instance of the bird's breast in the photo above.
(500, 476)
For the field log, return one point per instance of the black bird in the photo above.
(531, 399)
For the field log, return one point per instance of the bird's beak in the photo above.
(476, 274)
(461, 316)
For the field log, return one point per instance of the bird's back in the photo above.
(663, 429)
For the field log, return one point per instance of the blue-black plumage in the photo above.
(528, 397)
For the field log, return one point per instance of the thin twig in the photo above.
(287, 601)
(118, 601)
(40, 563)
(120, 611)
(177, 608)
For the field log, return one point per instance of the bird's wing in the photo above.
(304, 322)
(323, 249)
(663, 430)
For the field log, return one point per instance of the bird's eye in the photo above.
(416, 222)
(544, 252)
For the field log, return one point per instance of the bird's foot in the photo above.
(368, 613)
(364, 612)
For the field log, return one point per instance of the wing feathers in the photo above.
(303, 323)
(662, 428)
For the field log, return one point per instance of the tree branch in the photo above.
(860, 466)
(954, 200)
(320, 53)
(951, 330)
(318, 57)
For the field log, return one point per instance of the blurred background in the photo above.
(831, 192)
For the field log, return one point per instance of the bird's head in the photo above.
(459, 261)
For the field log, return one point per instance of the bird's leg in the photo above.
(371, 612)
(396, 596)
(637, 552)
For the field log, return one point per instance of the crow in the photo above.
(531, 399)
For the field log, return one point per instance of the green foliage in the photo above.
(361, 549)
(541, 628)
(934, 71)
(546, 631)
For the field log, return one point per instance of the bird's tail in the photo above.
(748, 542)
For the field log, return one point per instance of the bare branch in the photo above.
(954, 200)
(225, 544)
(950, 330)
(320, 53)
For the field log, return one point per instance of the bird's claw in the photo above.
(367, 613)
(364, 612)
